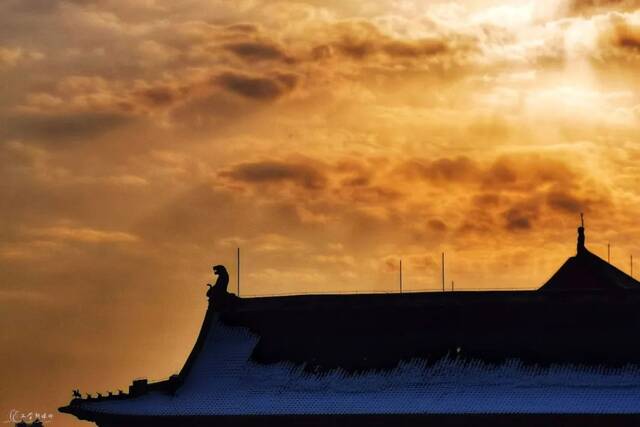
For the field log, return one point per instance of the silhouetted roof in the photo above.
(586, 271)
(449, 352)
(224, 380)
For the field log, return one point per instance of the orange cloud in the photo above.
(83, 234)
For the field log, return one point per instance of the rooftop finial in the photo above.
(219, 290)
(581, 247)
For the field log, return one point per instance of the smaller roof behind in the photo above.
(586, 271)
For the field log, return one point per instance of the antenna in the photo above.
(631, 262)
(452, 286)
(238, 269)
(442, 271)
(401, 276)
(609, 253)
(580, 249)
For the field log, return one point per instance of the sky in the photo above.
(143, 142)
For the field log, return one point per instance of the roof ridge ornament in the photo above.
(580, 247)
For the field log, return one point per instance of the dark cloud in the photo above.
(502, 172)
(264, 172)
(361, 40)
(520, 217)
(243, 28)
(512, 192)
(563, 201)
(486, 199)
(618, 35)
(630, 42)
(424, 47)
(626, 35)
(258, 51)
(595, 6)
(357, 181)
(359, 49)
(159, 95)
(461, 169)
(166, 94)
(444, 169)
(257, 88)
(64, 126)
(437, 225)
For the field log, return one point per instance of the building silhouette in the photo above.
(565, 354)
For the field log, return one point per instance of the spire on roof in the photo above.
(581, 248)
(587, 271)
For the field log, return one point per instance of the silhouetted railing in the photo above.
(361, 292)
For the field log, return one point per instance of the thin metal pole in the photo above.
(609, 253)
(400, 276)
(238, 269)
(631, 265)
(452, 286)
(442, 271)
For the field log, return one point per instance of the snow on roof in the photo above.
(224, 381)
